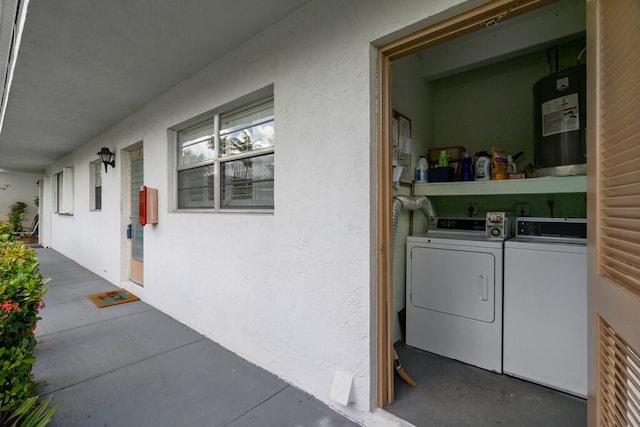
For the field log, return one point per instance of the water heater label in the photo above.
(562, 84)
(560, 115)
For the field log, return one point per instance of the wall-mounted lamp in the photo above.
(107, 157)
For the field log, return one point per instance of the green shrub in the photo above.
(21, 292)
(6, 232)
(17, 214)
(17, 381)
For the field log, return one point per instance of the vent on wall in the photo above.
(618, 379)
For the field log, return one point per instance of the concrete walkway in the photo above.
(131, 365)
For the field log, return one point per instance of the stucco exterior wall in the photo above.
(290, 291)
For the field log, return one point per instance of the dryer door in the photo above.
(460, 281)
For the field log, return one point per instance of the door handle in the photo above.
(483, 287)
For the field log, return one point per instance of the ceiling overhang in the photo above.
(84, 66)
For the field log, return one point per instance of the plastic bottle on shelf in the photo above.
(443, 159)
(466, 167)
(511, 166)
(483, 167)
(421, 169)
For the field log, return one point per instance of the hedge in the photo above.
(21, 293)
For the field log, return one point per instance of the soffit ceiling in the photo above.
(85, 65)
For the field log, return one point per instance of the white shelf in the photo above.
(546, 185)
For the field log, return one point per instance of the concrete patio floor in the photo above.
(131, 365)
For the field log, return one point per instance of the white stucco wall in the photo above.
(290, 291)
(18, 187)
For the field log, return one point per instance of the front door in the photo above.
(613, 36)
(137, 231)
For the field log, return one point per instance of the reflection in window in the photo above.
(248, 183)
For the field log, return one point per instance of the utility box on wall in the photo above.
(148, 205)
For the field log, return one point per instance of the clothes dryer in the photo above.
(454, 293)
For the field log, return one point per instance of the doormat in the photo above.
(106, 299)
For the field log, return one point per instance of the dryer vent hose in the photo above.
(411, 203)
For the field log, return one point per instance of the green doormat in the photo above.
(106, 299)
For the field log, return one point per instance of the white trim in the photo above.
(15, 12)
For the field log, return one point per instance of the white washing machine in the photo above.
(454, 293)
(545, 303)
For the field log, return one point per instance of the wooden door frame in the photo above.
(136, 266)
(446, 27)
(125, 210)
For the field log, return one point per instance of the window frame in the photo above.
(63, 191)
(93, 166)
(57, 190)
(219, 160)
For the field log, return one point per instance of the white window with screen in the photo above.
(225, 161)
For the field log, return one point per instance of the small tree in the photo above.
(16, 215)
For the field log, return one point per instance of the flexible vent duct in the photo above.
(411, 203)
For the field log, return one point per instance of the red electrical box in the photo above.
(147, 205)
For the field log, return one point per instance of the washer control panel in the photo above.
(564, 229)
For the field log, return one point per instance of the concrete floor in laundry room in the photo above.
(451, 393)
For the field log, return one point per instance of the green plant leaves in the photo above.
(21, 293)
(31, 414)
(16, 215)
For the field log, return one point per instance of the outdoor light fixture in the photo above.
(107, 157)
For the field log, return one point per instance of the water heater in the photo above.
(560, 118)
